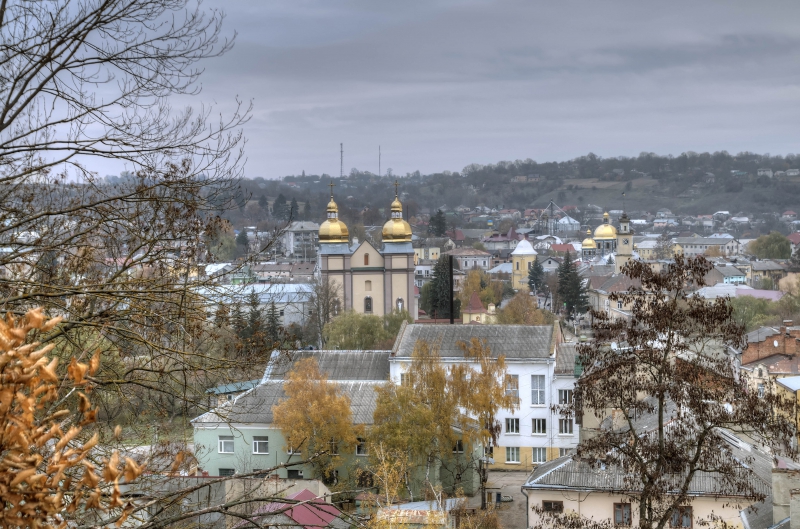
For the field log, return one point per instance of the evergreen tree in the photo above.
(237, 320)
(536, 275)
(242, 240)
(440, 292)
(254, 316)
(294, 210)
(262, 202)
(307, 210)
(279, 209)
(272, 325)
(438, 224)
(571, 290)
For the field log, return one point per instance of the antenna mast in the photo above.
(379, 161)
(341, 160)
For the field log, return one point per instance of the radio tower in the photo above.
(341, 160)
(379, 161)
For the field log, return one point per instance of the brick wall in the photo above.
(788, 341)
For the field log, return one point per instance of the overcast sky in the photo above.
(440, 84)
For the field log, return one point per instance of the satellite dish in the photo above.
(775, 343)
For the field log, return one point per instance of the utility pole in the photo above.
(341, 160)
(379, 161)
(452, 316)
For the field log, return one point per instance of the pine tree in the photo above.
(237, 320)
(571, 290)
(262, 202)
(438, 224)
(294, 210)
(242, 240)
(279, 209)
(536, 275)
(272, 329)
(254, 316)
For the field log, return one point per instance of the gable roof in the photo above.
(255, 406)
(337, 365)
(513, 341)
(304, 510)
(475, 305)
(566, 353)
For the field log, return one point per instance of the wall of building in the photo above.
(600, 506)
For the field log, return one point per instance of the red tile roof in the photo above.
(312, 514)
(474, 306)
(794, 237)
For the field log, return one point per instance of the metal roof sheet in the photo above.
(512, 341)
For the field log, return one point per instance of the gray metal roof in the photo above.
(233, 387)
(513, 341)
(761, 334)
(729, 271)
(565, 358)
(767, 266)
(337, 365)
(255, 406)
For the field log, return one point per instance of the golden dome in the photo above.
(605, 231)
(588, 243)
(396, 229)
(333, 229)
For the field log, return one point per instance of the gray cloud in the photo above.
(440, 84)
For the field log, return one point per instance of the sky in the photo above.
(440, 84)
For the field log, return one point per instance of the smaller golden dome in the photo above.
(605, 231)
(333, 229)
(588, 243)
(396, 229)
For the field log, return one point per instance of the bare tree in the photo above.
(326, 303)
(668, 392)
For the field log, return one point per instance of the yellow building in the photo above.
(370, 280)
(475, 312)
(522, 259)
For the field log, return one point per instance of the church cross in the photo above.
(332, 186)
(395, 188)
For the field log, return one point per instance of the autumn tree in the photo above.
(438, 408)
(488, 289)
(675, 368)
(664, 245)
(353, 330)
(772, 246)
(522, 310)
(315, 418)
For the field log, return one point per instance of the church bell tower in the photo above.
(624, 243)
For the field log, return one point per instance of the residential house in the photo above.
(765, 172)
(218, 395)
(793, 172)
(605, 493)
(498, 241)
(551, 264)
(694, 246)
(647, 249)
(766, 270)
(300, 240)
(539, 373)
(794, 238)
(727, 274)
(600, 288)
(475, 312)
(771, 354)
(789, 215)
(292, 300)
(431, 248)
(470, 258)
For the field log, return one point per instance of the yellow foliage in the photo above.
(315, 417)
(32, 469)
(522, 310)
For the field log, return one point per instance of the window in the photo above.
(281, 313)
(225, 445)
(564, 452)
(760, 373)
(512, 454)
(619, 304)
(361, 447)
(681, 517)
(622, 514)
(459, 447)
(760, 390)
(552, 506)
(366, 259)
(488, 451)
(565, 426)
(539, 427)
(537, 390)
(539, 455)
(512, 386)
(367, 305)
(333, 446)
(565, 396)
(310, 312)
(367, 286)
(405, 379)
(512, 425)
(225, 472)
(517, 265)
(260, 444)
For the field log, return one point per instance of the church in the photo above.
(370, 280)
(609, 242)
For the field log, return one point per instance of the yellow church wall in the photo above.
(335, 263)
(519, 271)
(400, 290)
(360, 291)
(357, 259)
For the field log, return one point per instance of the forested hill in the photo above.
(691, 183)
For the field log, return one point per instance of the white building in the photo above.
(541, 373)
(300, 240)
(293, 300)
(765, 172)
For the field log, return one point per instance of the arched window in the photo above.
(399, 304)
(366, 259)
(517, 265)
(368, 286)
(367, 305)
